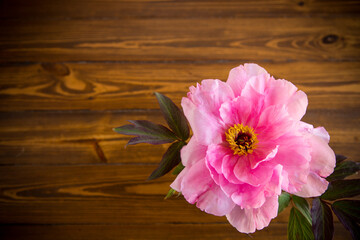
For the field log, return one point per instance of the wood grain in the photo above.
(70, 71)
(107, 194)
(68, 9)
(115, 86)
(277, 231)
(251, 39)
(87, 136)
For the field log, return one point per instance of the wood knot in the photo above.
(329, 39)
(58, 69)
(301, 3)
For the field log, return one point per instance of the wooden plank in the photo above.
(68, 9)
(93, 195)
(79, 137)
(114, 86)
(210, 231)
(245, 39)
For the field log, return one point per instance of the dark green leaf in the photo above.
(342, 189)
(302, 205)
(178, 169)
(146, 132)
(350, 207)
(173, 116)
(298, 227)
(170, 159)
(322, 220)
(284, 200)
(170, 193)
(340, 158)
(344, 169)
(347, 212)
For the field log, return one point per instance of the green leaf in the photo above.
(349, 207)
(322, 220)
(348, 212)
(298, 227)
(342, 189)
(170, 193)
(174, 117)
(170, 159)
(302, 205)
(146, 132)
(284, 200)
(344, 169)
(340, 158)
(178, 169)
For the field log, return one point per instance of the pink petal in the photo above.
(196, 181)
(238, 111)
(205, 134)
(240, 75)
(250, 220)
(321, 132)
(254, 177)
(263, 153)
(322, 156)
(192, 152)
(216, 157)
(314, 187)
(294, 155)
(202, 106)
(297, 105)
(274, 122)
(211, 94)
(215, 202)
(274, 186)
(282, 92)
(176, 184)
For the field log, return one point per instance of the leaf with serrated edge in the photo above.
(342, 189)
(343, 211)
(302, 205)
(173, 116)
(170, 159)
(322, 220)
(344, 169)
(298, 227)
(284, 200)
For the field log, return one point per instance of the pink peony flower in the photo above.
(248, 145)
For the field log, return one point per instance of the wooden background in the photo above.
(71, 70)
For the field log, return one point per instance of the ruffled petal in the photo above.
(196, 181)
(250, 220)
(214, 201)
(238, 111)
(240, 75)
(314, 187)
(282, 92)
(202, 106)
(294, 155)
(322, 156)
(205, 134)
(192, 152)
(297, 105)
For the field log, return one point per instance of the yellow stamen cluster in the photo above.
(242, 139)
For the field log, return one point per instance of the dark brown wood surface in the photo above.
(72, 70)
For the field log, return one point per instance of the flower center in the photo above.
(242, 139)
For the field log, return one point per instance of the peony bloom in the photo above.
(248, 145)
